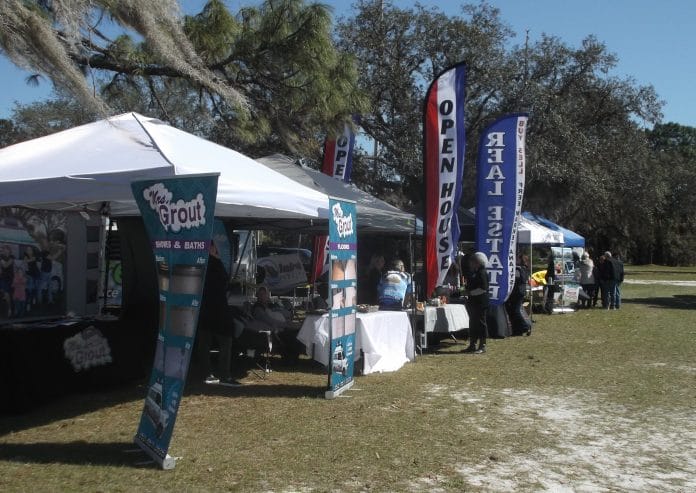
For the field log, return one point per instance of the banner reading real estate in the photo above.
(338, 162)
(178, 216)
(443, 167)
(343, 288)
(500, 190)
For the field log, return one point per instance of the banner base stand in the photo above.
(563, 309)
(165, 463)
(332, 394)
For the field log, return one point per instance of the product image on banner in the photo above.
(338, 272)
(351, 272)
(182, 321)
(338, 300)
(187, 279)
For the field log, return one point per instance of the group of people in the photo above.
(392, 289)
(24, 283)
(259, 328)
(600, 281)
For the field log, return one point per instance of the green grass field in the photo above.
(592, 400)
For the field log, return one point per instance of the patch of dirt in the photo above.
(590, 444)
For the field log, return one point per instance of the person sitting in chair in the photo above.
(278, 320)
(395, 287)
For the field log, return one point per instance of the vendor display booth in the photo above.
(570, 242)
(85, 173)
(533, 234)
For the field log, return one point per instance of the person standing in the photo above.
(477, 302)
(618, 273)
(607, 280)
(7, 268)
(519, 319)
(213, 323)
(550, 279)
(585, 276)
(19, 292)
(33, 274)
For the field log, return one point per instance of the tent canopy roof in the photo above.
(533, 233)
(374, 215)
(529, 232)
(87, 166)
(570, 238)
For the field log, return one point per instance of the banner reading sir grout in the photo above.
(178, 217)
(343, 286)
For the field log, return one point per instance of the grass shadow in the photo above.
(677, 301)
(70, 406)
(261, 389)
(78, 453)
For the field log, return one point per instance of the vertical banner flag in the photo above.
(500, 190)
(338, 155)
(178, 217)
(443, 167)
(338, 162)
(343, 287)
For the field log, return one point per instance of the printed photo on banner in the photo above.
(33, 245)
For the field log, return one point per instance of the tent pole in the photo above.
(529, 287)
(241, 254)
(107, 255)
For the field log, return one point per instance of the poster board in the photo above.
(343, 287)
(178, 217)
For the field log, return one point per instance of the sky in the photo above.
(654, 41)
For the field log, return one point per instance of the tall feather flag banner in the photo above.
(499, 191)
(338, 155)
(338, 162)
(444, 144)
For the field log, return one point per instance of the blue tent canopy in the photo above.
(570, 238)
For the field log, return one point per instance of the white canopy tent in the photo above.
(532, 233)
(87, 167)
(528, 233)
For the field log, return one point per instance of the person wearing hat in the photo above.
(477, 302)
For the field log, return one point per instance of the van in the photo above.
(153, 409)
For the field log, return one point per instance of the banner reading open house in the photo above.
(500, 190)
(178, 217)
(443, 160)
(343, 284)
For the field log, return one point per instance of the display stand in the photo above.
(166, 463)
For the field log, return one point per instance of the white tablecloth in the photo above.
(385, 339)
(447, 318)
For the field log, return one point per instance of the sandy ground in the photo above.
(591, 444)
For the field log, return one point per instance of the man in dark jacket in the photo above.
(214, 323)
(477, 302)
(617, 268)
(607, 281)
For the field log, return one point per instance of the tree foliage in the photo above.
(279, 77)
(267, 77)
(586, 150)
